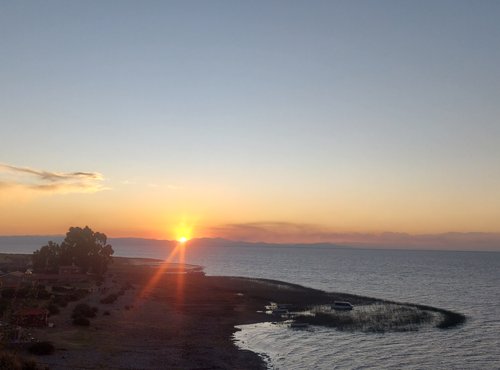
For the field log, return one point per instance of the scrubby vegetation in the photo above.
(81, 321)
(111, 298)
(81, 314)
(449, 319)
(371, 318)
(60, 300)
(8, 293)
(53, 309)
(84, 310)
(66, 295)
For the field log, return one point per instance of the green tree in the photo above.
(83, 247)
(47, 258)
(86, 249)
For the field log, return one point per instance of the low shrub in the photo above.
(42, 294)
(81, 321)
(22, 293)
(9, 361)
(109, 299)
(41, 348)
(84, 310)
(99, 281)
(61, 289)
(4, 305)
(60, 300)
(53, 309)
(8, 293)
(30, 365)
(12, 361)
(72, 297)
(81, 293)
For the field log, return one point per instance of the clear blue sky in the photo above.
(310, 107)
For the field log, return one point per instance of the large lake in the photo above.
(467, 282)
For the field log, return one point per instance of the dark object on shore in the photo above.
(342, 306)
(41, 348)
(299, 325)
(279, 311)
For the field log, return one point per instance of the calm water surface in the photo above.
(467, 282)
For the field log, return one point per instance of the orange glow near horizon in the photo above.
(183, 231)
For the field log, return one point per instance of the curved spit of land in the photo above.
(312, 306)
(164, 316)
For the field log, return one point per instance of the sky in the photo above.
(287, 120)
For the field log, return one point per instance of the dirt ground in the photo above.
(175, 317)
(165, 321)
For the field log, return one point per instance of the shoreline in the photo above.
(172, 317)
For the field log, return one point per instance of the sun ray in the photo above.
(183, 232)
(153, 281)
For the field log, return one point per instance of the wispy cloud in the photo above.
(48, 181)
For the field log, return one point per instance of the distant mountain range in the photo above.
(445, 241)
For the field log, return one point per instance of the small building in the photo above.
(32, 317)
(69, 270)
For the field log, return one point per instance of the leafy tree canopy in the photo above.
(82, 247)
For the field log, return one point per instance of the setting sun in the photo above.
(183, 232)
